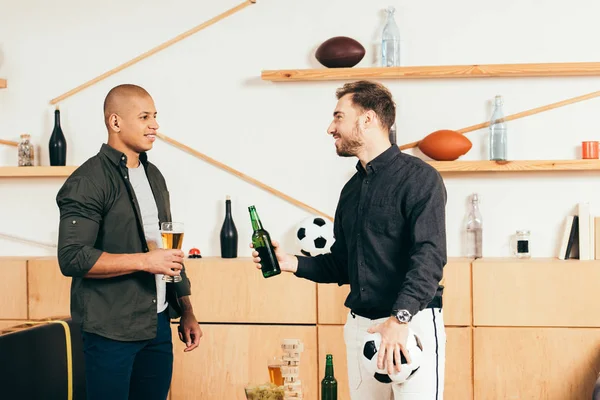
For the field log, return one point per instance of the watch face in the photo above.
(403, 316)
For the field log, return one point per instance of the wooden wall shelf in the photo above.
(516, 165)
(36, 172)
(435, 72)
(2, 83)
(442, 166)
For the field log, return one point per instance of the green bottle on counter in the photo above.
(329, 384)
(262, 244)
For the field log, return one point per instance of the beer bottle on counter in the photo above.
(229, 235)
(262, 244)
(329, 383)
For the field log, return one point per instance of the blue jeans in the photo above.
(116, 370)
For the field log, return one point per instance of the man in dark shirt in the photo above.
(109, 243)
(390, 246)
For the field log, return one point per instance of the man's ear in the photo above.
(114, 122)
(369, 118)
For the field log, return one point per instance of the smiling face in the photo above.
(130, 116)
(346, 129)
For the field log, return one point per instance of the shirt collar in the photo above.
(118, 157)
(379, 162)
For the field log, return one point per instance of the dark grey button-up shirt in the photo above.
(99, 213)
(390, 237)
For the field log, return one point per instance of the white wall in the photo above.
(210, 96)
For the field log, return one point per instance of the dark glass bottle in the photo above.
(262, 244)
(58, 145)
(229, 234)
(329, 383)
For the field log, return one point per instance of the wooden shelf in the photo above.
(435, 72)
(516, 165)
(2, 83)
(36, 172)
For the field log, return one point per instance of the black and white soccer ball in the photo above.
(314, 236)
(371, 344)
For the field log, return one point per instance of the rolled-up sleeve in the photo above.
(80, 203)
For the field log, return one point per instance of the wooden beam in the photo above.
(435, 72)
(155, 50)
(516, 165)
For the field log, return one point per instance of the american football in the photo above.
(340, 52)
(445, 145)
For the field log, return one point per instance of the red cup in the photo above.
(589, 150)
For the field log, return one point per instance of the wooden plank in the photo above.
(3, 83)
(330, 300)
(457, 296)
(535, 292)
(233, 290)
(516, 165)
(457, 292)
(331, 341)
(458, 379)
(36, 172)
(49, 289)
(13, 288)
(10, 323)
(231, 356)
(534, 363)
(435, 72)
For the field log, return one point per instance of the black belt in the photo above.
(436, 302)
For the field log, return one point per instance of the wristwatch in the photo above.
(403, 316)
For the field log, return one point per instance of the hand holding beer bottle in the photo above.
(267, 254)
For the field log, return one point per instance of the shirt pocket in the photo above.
(384, 219)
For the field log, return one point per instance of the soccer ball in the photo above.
(314, 236)
(371, 344)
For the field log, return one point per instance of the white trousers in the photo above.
(426, 384)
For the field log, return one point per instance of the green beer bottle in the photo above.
(329, 384)
(262, 244)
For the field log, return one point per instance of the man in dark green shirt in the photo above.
(109, 243)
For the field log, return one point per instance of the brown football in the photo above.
(340, 52)
(445, 145)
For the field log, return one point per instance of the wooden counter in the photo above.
(526, 329)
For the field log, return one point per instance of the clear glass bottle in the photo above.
(26, 151)
(474, 229)
(498, 140)
(390, 41)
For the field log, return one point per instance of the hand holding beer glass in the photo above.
(172, 237)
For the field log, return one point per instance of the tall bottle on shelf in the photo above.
(390, 41)
(261, 241)
(474, 229)
(57, 146)
(229, 234)
(498, 139)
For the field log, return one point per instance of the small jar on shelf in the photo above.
(26, 151)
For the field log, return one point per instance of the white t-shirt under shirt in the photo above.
(149, 211)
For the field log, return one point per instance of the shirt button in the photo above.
(74, 222)
(123, 158)
(362, 289)
(145, 249)
(125, 177)
(154, 301)
(367, 181)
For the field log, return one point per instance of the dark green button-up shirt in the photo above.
(99, 213)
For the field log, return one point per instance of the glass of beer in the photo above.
(274, 365)
(172, 237)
